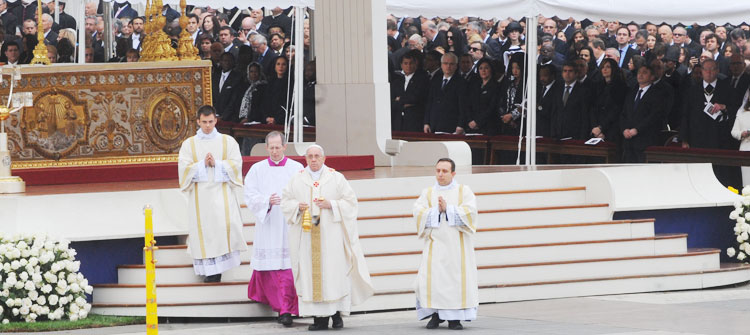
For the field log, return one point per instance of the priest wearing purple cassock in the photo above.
(272, 281)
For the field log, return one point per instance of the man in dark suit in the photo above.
(434, 37)
(739, 80)
(408, 94)
(23, 12)
(623, 46)
(9, 19)
(699, 129)
(277, 18)
(569, 114)
(547, 92)
(50, 36)
(641, 117)
(550, 27)
(169, 13)
(228, 89)
(66, 20)
(226, 38)
(445, 102)
(124, 9)
(266, 56)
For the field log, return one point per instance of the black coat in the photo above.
(440, 41)
(482, 108)
(739, 89)
(700, 130)
(608, 101)
(268, 62)
(227, 101)
(570, 120)
(629, 53)
(507, 104)
(309, 103)
(546, 104)
(256, 104)
(276, 99)
(67, 21)
(445, 105)
(283, 21)
(645, 118)
(10, 22)
(407, 114)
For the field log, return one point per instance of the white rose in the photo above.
(747, 216)
(41, 300)
(733, 215)
(6, 267)
(731, 252)
(53, 300)
(74, 308)
(23, 261)
(82, 314)
(27, 302)
(61, 275)
(73, 317)
(746, 190)
(22, 245)
(32, 316)
(738, 204)
(24, 276)
(741, 256)
(740, 239)
(745, 236)
(25, 253)
(16, 253)
(36, 278)
(19, 285)
(745, 201)
(15, 265)
(740, 220)
(72, 253)
(61, 290)
(33, 261)
(55, 267)
(49, 245)
(87, 307)
(49, 277)
(24, 310)
(29, 286)
(6, 321)
(15, 311)
(75, 288)
(89, 289)
(33, 295)
(11, 280)
(63, 301)
(80, 301)
(72, 278)
(744, 247)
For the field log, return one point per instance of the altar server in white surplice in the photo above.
(330, 273)
(272, 282)
(210, 172)
(446, 216)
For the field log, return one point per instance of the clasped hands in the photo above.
(442, 205)
(210, 161)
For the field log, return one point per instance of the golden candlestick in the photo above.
(157, 46)
(186, 50)
(40, 52)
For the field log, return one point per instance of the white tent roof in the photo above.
(657, 11)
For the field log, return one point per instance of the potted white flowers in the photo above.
(40, 280)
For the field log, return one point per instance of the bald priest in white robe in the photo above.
(446, 216)
(272, 281)
(210, 172)
(330, 273)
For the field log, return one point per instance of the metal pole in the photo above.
(531, 103)
(57, 11)
(311, 16)
(108, 36)
(81, 35)
(299, 66)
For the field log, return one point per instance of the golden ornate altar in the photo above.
(104, 114)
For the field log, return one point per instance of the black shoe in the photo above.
(319, 324)
(336, 321)
(285, 319)
(455, 325)
(434, 322)
(212, 279)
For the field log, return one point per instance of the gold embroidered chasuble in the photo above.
(327, 262)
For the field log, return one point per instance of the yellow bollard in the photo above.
(152, 320)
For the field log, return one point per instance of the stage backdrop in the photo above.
(105, 114)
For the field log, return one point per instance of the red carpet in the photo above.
(157, 171)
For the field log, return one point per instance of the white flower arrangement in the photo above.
(39, 280)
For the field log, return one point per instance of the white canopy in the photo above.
(657, 11)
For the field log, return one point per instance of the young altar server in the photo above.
(330, 273)
(210, 172)
(446, 215)
(272, 282)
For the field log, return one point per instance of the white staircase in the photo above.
(532, 243)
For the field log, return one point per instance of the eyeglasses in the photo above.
(475, 49)
(678, 35)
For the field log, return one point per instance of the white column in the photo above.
(352, 92)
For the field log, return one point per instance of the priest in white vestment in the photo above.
(210, 172)
(330, 273)
(272, 282)
(446, 216)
